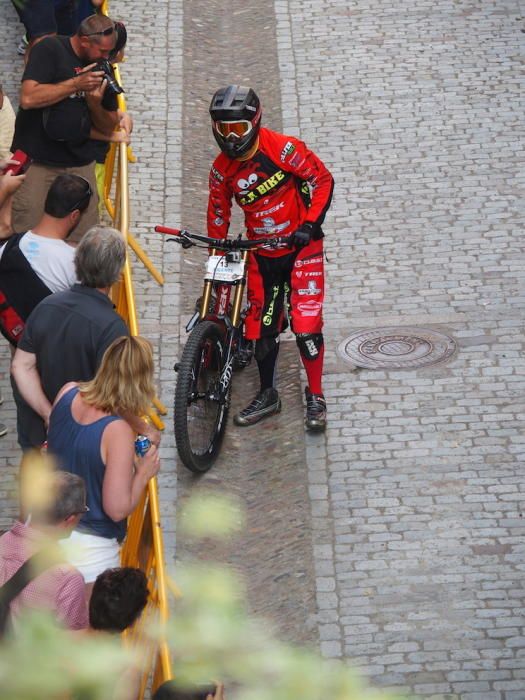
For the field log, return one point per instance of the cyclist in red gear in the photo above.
(284, 190)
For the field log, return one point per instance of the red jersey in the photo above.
(281, 187)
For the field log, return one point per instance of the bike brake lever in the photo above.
(276, 243)
(184, 242)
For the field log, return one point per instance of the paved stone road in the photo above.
(422, 578)
(404, 551)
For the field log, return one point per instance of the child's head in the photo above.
(119, 596)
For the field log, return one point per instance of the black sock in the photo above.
(267, 368)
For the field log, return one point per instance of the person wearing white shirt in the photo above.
(40, 262)
(45, 247)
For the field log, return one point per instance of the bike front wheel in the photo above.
(201, 407)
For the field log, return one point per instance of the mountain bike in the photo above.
(215, 347)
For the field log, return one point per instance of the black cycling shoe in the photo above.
(265, 404)
(315, 412)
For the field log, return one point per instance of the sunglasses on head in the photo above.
(105, 32)
(86, 196)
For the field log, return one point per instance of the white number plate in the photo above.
(219, 269)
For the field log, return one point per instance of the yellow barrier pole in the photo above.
(160, 407)
(132, 242)
(162, 670)
(152, 485)
(108, 179)
(121, 102)
(124, 226)
(158, 548)
(164, 657)
(175, 590)
(109, 169)
(142, 256)
(128, 286)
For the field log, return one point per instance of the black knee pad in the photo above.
(263, 346)
(309, 344)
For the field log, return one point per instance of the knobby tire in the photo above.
(200, 422)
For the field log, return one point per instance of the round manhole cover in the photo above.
(397, 348)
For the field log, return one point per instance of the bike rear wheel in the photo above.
(200, 411)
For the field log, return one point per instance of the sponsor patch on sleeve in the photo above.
(216, 174)
(296, 160)
(288, 149)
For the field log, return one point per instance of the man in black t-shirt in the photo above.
(60, 103)
(66, 335)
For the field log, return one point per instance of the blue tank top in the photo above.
(76, 448)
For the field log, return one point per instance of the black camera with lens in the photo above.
(105, 66)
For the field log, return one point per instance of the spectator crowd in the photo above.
(80, 383)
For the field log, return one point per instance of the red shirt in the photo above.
(60, 589)
(282, 186)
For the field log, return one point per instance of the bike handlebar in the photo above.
(224, 243)
(170, 231)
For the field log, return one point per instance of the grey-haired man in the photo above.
(67, 334)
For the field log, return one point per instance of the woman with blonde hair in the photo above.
(89, 436)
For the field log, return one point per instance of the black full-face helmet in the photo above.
(236, 115)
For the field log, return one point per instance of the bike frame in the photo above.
(232, 321)
(240, 286)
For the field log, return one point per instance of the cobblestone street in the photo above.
(395, 540)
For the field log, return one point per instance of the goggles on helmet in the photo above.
(237, 129)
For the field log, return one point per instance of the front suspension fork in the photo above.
(238, 294)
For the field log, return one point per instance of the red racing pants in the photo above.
(287, 287)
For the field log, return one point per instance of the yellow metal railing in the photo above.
(143, 547)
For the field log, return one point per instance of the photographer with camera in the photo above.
(110, 102)
(62, 107)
